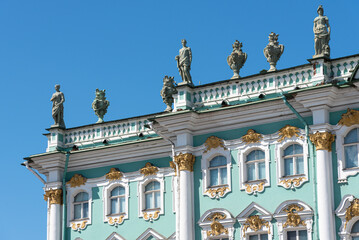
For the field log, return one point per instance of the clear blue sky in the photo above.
(126, 47)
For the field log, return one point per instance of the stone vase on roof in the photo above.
(237, 58)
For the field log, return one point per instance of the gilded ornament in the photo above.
(173, 165)
(255, 223)
(293, 219)
(78, 226)
(288, 132)
(185, 161)
(77, 180)
(148, 170)
(116, 221)
(217, 229)
(292, 182)
(352, 211)
(151, 216)
(322, 140)
(254, 188)
(251, 137)
(114, 174)
(215, 192)
(349, 118)
(54, 196)
(216, 215)
(214, 142)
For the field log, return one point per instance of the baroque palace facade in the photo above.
(267, 156)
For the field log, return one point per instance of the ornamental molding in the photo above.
(216, 215)
(255, 223)
(185, 161)
(322, 140)
(115, 221)
(149, 170)
(291, 183)
(174, 167)
(151, 233)
(348, 212)
(349, 118)
(151, 216)
(352, 211)
(77, 180)
(114, 174)
(288, 132)
(251, 137)
(217, 222)
(254, 188)
(79, 226)
(53, 196)
(217, 192)
(217, 229)
(293, 219)
(213, 142)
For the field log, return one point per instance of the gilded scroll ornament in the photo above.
(185, 161)
(215, 216)
(116, 220)
(288, 132)
(255, 223)
(173, 165)
(214, 142)
(151, 216)
(293, 219)
(148, 170)
(79, 226)
(349, 118)
(217, 192)
(352, 211)
(322, 140)
(217, 229)
(77, 180)
(254, 188)
(292, 182)
(54, 196)
(114, 174)
(251, 137)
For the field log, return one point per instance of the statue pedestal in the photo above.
(183, 99)
(321, 69)
(55, 138)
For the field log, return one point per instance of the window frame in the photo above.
(212, 191)
(81, 203)
(78, 224)
(287, 181)
(346, 227)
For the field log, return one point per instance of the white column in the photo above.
(186, 211)
(55, 222)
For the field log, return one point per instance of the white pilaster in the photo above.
(55, 222)
(186, 202)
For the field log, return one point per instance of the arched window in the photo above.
(218, 171)
(355, 231)
(118, 200)
(256, 168)
(351, 142)
(81, 206)
(258, 237)
(293, 160)
(153, 195)
(297, 235)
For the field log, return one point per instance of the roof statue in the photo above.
(273, 51)
(237, 59)
(321, 31)
(100, 105)
(58, 100)
(168, 89)
(184, 60)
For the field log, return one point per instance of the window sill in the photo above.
(218, 186)
(292, 176)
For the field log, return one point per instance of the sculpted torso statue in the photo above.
(321, 31)
(168, 89)
(184, 60)
(58, 108)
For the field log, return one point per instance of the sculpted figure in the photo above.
(184, 60)
(168, 89)
(237, 59)
(58, 100)
(100, 105)
(273, 51)
(321, 31)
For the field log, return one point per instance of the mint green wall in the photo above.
(237, 200)
(133, 227)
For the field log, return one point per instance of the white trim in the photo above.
(281, 216)
(206, 158)
(242, 154)
(172, 237)
(345, 230)
(150, 232)
(343, 173)
(115, 236)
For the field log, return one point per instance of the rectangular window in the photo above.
(213, 177)
(86, 210)
(261, 170)
(351, 156)
(122, 204)
(223, 175)
(300, 165)
(157, 199)
(251, 172)
(77, 211)
(149, 201)
(114, 206)
(288, 166)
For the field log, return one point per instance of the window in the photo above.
(218, 171)
(293, 160)
(81, 206)
(258, 237)
(297, 235)
(355, 231)
(351, 142)
(223, 220)
(118, 200)
(256, 168)
(349, 228)
(153, 195)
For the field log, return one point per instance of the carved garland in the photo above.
(349, 118)
(115, 221)
(213, 142)
(251, 137)
(293, 182)
(185, 161)
(114, 174)
(352, 211)
(151, 216)
(216, 227)
(293, 219)
(79, 226)
(322, 140)
(217, 192)
(288, 132)
(255, 223)
(54, 196)
(148, 170)
(77, 180)
(254, 188)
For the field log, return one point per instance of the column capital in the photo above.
(322, 140)
(185, 161)
(54, 196)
